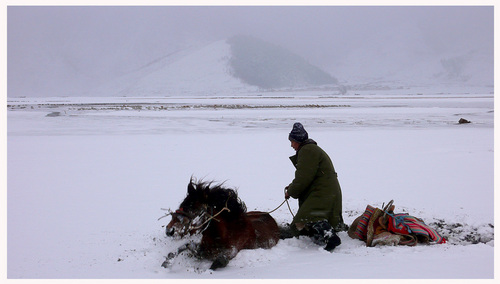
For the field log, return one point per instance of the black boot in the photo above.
(332, 242)
(285, 231)
(323, 233)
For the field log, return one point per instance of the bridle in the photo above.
(179, 214)
(192, 219)
(183, 213)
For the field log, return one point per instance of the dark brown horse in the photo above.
(226, 227)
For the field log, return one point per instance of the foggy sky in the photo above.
(56, 51)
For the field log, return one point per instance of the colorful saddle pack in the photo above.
(383, 227)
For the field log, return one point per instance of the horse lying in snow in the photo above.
(226, 227)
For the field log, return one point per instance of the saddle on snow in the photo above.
(383, 227)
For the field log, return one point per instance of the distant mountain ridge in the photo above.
(264, 65)
(238, 64)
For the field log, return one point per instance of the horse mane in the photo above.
(216, 197)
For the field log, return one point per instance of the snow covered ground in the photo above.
(86, 184)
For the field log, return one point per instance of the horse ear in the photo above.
(191, 189)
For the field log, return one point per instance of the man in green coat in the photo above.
(318, 190)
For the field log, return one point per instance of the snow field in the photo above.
(85, 189)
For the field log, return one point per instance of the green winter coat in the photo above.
(316, 186)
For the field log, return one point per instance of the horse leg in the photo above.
(223, 258)
(191, 246)
(220, 262)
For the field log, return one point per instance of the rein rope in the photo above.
(288, 204)
(226, 208)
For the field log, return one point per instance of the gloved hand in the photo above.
(287, 196)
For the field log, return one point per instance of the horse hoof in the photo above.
(166, 264)
(219, 262)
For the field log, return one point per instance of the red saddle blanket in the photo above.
(401, 224)
(405, 224)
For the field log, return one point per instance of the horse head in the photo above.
(202, 202)
(192, 213)
(183, 223)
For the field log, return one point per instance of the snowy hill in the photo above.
(240, 64)
(268, 66)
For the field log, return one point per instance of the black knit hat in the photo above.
(298, 133)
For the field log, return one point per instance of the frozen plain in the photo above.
(86, 185)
